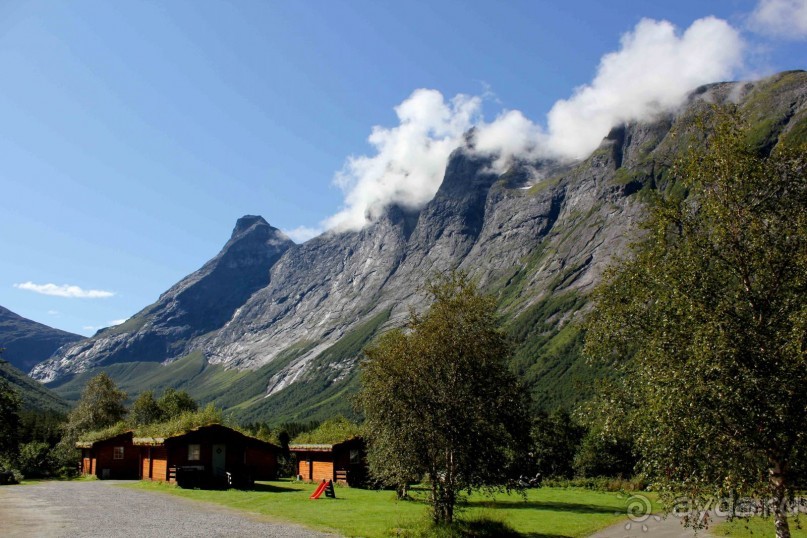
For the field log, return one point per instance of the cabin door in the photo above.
(219, 459)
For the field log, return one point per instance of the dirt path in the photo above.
(650, 527)
(94, 508)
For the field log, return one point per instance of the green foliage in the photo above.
(34, 396)
(547, 351)
(440, 399)
(601, 456)
(145, 409)
(174, 403)
(330, 432)
(9, 420)
(35, 459)
(100, 406)
(607, 447)
(709, 325)
(555, 440)
(38, 434)
(45, 426)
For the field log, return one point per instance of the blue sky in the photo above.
(134, 134)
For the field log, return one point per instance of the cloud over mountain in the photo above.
(780, 18)
(652, 72)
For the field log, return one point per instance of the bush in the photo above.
(35, 460)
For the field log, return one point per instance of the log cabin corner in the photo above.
(344, 462)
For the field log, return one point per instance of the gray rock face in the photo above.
(539, 230)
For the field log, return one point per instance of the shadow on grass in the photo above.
(271, 488)
(482, 528)
(543, 505)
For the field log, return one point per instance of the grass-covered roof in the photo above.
(331, 432)
(179, 425)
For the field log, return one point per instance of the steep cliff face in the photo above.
(538, 237)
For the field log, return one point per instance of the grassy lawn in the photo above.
(547, 512)
(755, 527)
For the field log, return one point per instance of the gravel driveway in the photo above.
(95, 508)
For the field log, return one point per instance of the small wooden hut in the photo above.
(343, 462)
(208, 456)
(115, 457)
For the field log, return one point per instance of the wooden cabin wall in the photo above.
(153, 463)
(122, 469)
(263, 462)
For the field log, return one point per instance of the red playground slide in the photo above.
(320, 489)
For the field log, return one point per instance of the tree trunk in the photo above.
(435, 500)
(777, 479)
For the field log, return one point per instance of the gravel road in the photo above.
(95, 508)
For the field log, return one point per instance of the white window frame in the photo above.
(194, 452)
(117, 453)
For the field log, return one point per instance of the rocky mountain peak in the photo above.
(246, 222)
(467, 175)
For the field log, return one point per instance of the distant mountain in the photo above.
(273, 331)
(35, 396)
(27, 342)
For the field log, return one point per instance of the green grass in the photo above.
(756, 527)
(546, 512)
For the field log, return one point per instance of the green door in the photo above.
(219, 460)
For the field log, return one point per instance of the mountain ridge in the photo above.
(27, 342)
(537, 237)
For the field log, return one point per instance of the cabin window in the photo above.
(194, 453)
(354, 456)
(117, 453)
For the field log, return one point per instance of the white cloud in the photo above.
(64, 290)
(652, 72)
(301, 234)
(409, 160)
(53, 312)
(510, 135)
(94, 328)
(780, 18)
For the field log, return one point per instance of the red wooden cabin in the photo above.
(115, 457)
(343, 462)
(205, 456)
